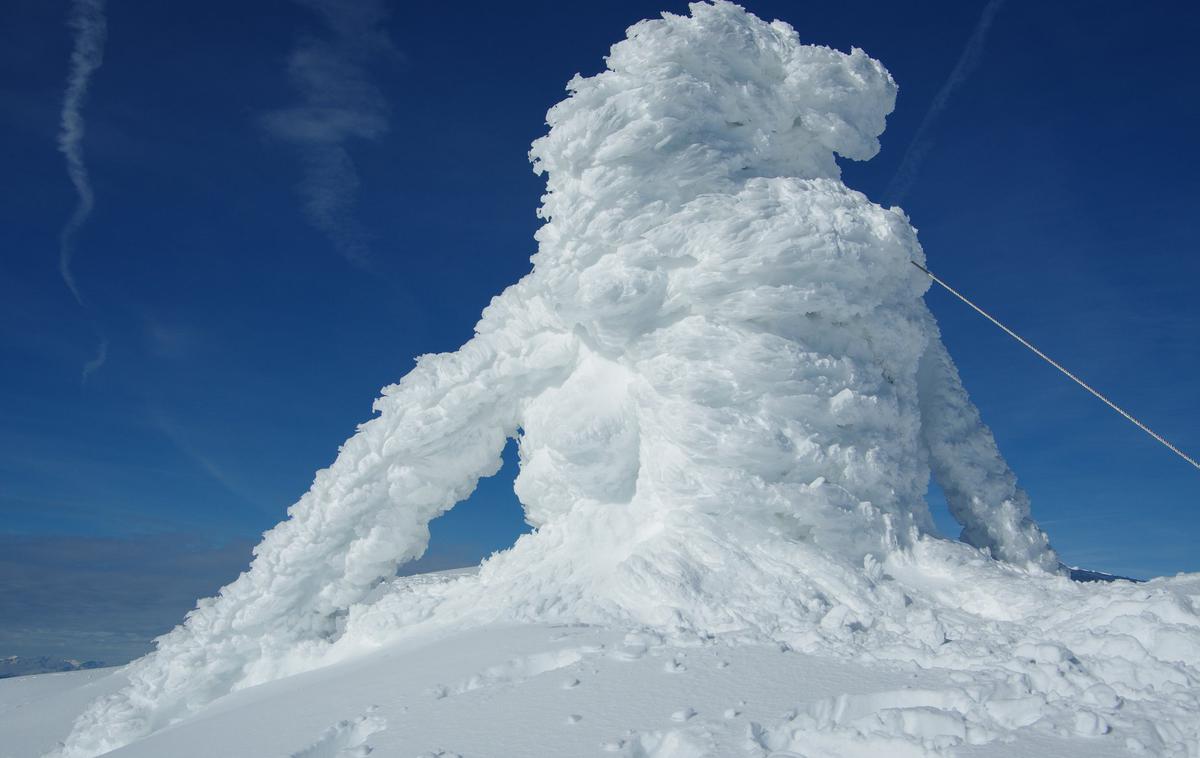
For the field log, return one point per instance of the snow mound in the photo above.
(729, 397)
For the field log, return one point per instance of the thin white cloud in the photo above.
(87, 21)
(94, 364)
(338, 103)
(922, 142)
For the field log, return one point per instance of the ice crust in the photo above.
(729, 396)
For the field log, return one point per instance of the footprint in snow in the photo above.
(683, 714)
(674, 666)
(636, 645)
(345, 739)
(517, 670)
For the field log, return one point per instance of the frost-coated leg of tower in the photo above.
(440, 430)
(980, 488)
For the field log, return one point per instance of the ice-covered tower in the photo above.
(753, 340)
(727, 389)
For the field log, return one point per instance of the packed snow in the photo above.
(729, 398)
(537, 689)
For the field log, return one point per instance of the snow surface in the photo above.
(577, 690)
(729, 397)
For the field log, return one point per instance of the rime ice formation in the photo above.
(728, 394)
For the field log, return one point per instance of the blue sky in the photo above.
(259, 274)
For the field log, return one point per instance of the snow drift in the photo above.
(729, 396)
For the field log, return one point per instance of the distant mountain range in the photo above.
(1087, 575)
(17, 665)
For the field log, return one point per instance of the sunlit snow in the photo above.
(729, 397)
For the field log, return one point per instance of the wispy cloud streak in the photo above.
(339, 103)
(87, 21)
(922, 142)
(94, 364)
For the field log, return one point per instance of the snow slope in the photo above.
(572, 690)
(729, 397)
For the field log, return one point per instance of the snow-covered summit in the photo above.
(729, 397)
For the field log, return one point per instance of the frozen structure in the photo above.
(727, 389)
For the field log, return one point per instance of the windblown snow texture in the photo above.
(728, 394)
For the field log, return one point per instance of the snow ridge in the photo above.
(729, 396)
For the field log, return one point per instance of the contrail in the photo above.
(921, 142)
(338, 103)
(179, 437)
(87, 20)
